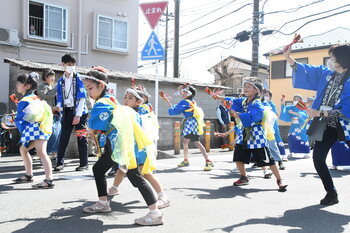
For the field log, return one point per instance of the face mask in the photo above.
(295, 102)
(331, 64)
(70, 69)
(267, 99)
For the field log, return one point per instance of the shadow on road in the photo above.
(74, 220)
(223, 192)
(310, 219)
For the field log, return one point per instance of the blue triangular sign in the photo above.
(153, 49)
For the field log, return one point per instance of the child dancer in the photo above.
(34, 122)
(297, 137)
(134, 99)
(117, 131)
(193, 125)
(251, 139)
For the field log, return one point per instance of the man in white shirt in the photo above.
(71, 102)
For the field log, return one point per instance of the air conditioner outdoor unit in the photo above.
(9, 36)
(239, 90)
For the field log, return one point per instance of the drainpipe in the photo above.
(80, 30)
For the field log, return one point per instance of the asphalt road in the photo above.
(200, 201)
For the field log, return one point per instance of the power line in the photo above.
(308, 16)
(338, 13)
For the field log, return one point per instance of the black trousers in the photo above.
(105, 162)
(320, 154)
(66, 130)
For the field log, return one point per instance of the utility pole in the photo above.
(176, 38)
(166, 44)
(255, 41)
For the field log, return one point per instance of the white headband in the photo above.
(248, 81)
(134, 92)
(93, 78)
(187, 92)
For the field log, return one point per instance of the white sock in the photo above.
(161, 194)
(155, 212)
(115, 186)
(103, 202)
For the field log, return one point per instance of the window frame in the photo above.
(297, 60)
(98, 46)
(45, 37)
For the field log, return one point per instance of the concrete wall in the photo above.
(14, 15)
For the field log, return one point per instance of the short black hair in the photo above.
(68, 58)
(341, 52)
(47, 73)
(29, 79)
(193, 90)
(268, 91)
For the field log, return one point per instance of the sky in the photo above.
(208, 28)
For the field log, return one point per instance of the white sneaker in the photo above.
(112, 191)
(98, 207)
(233, 170)
(163, 202)
(307, 156)
(290, 155)
(150, 220)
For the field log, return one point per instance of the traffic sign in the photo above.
(153, 11)
(153, 49)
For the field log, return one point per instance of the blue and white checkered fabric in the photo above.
(33, 132)
(257, 138)
(346, 127)
(190, 127)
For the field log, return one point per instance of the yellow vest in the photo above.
(129, 132)
(198, 114)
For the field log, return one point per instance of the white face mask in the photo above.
(295, 102)
(331, 64)
(267, 99)
(70, 69)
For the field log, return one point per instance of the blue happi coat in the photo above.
(297, 138)
(276, 128)
(251, 134)
(316, 78)
(80, 92)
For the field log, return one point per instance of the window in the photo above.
(278, 70)
(289, 69)
(325, 60)
(47, 21)
(112, 34)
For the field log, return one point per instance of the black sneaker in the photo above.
(281, 165)
(331, 198)
(81, 168)
(58, 168)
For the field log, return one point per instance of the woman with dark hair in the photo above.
(330, 110)
(47, 91)
(34, 122)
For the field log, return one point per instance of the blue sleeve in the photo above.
(179, 108)
(236, 103)
(81, 91)
(285, 115)
(255, 114)
(309, 77)
(273, 106)
(59, 92)
(101, 117)
(344, 100)
(20, 123)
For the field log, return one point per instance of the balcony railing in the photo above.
(36, 26)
